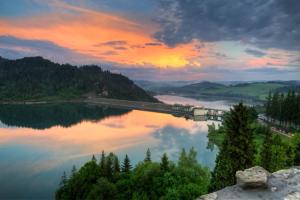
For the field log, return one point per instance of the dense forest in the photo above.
(284, 109)
(148, 180)
(35, 78)
(242, 143)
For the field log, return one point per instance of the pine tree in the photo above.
(108, 172)
(192, 157)
(74, 171)
(164, 165)
(266, 153)
(298, 110)
(102, 163)
(126, 166)
(148, 156)
(238, 148)
(182, 158)
(293, 108)
(279, 156)
(281, 114)
(296, 142)
(275, 106)
(94, 158)
(116, 165)
(268, 105)
(64, 180)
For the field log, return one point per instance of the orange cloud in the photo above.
(82, 29)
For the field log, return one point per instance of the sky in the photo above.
(159, 40)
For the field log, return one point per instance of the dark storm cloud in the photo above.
(264, 23)
(254, 52)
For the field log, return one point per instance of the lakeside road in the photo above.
(275, 130)
(117, 103)
(138, 105)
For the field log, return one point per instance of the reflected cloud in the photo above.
(172, 140)
(44, 154)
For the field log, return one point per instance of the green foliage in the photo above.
(102, 190)
(126, 166)
(148, 156)
(35, 78)
(266, 153)
(284, 110)
(238, 148)
(296, 143)
(164, 165)
(146, 181)
(215, 136)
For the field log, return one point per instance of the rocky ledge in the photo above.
(257, 183)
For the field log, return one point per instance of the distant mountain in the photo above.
(150, 85)
(35, 78)
(247, 91)
(190, 88)
(203, 86)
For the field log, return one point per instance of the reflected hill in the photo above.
(45, 116)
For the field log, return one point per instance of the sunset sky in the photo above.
(159, 39)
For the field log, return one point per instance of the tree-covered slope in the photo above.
(35, 78)
(254, 91)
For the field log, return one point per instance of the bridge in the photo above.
(188, 111)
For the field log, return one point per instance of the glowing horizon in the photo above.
(158, 47)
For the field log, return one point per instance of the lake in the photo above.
(39, 142)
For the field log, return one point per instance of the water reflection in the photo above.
(38, 143)
(44, 116)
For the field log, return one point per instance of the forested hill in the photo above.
(254, 90)
(35, 78)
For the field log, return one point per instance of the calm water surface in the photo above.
(38, 143)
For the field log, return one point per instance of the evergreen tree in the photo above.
(126, 166)
(182, 158)
(268, 105)
(164, 164)
(279, 156)
(266, 152)
(148, 156)
(116, 165)
(275, 106)
(192, 157)
(284, 109)
(64, 180)
(74, 171)
(293, 108)
(94, 158)
(109, 166)
(298, 110)
(102, 162)
(238, 148)
(281, 113)
(296, 141)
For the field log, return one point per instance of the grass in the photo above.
(217, 136)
